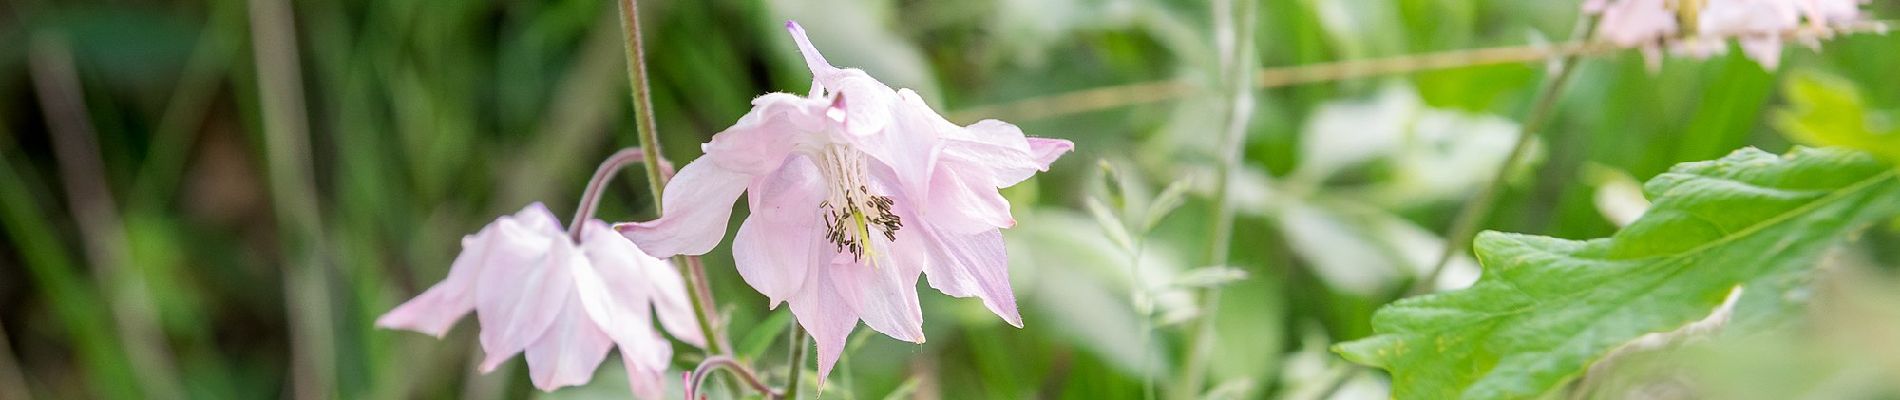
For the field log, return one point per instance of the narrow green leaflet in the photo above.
(1546, 308)
(1825, 110)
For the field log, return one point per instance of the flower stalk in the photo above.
(715, 363)
(795, 365)
(648, 132)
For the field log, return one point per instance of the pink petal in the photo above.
(1002, 149)
(826, 317)
(909, 148)
(638, 282)
(569, 351)
(1765, 50)
(776, 244)
(436, 309)
(517, 302)
(646, 377)
(762, 138)
(1046, 151)
(813, 59)
(963, 199)
(882, 290)
(611, 284)
(969, 265)
(696, 206)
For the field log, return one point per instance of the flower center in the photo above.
(851, 211)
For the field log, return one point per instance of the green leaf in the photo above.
(1546, 308)
(1826, 110)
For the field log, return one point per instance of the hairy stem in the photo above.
(590, 199)
(728, 364)
(703, 309)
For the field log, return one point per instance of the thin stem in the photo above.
(642, 94)
(1108, 97)
(1474, 211)
(294, 198)
(590, 199)
(704, 310)
(102, 231)
(727, 363)
(1238, 21)
(795, 365)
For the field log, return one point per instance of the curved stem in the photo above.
(705, 369)
(590, 199)
(1474, 211)
(795, 368)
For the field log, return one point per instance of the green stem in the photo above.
(648, 132)
(1473, 212)
(293, 193)
(795, 367)
(1236, 20)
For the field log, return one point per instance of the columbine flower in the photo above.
(1824, 12)
(534, 289)
(1756, 24)
(855, 191)
(1635, 23)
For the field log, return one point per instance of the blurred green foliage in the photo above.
(427, 119)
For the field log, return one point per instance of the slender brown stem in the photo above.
(727, 363)
(1108, 97)
(704, 310)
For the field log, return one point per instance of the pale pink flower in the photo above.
(534, 289)
(855, 190)
(1824, 12)
(1635, 23)
(1756, 24)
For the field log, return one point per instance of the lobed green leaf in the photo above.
(1546, 308)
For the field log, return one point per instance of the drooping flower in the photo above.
(534, 289)
(855, 190)
(1756, 24)
(1759, 26)
(1824, 12)
(1635, 23)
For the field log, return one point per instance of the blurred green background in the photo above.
(218, 197)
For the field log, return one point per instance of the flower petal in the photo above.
(629, 272)
(882, 290)
(646, 375)
(1047, 150)
(612, 285)
(963, 199)
(571, 348)
(970, 265)
(435, 310)
(762, 138)
(516, 301)
(697, 204)
(826, 316)
(774, 246)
